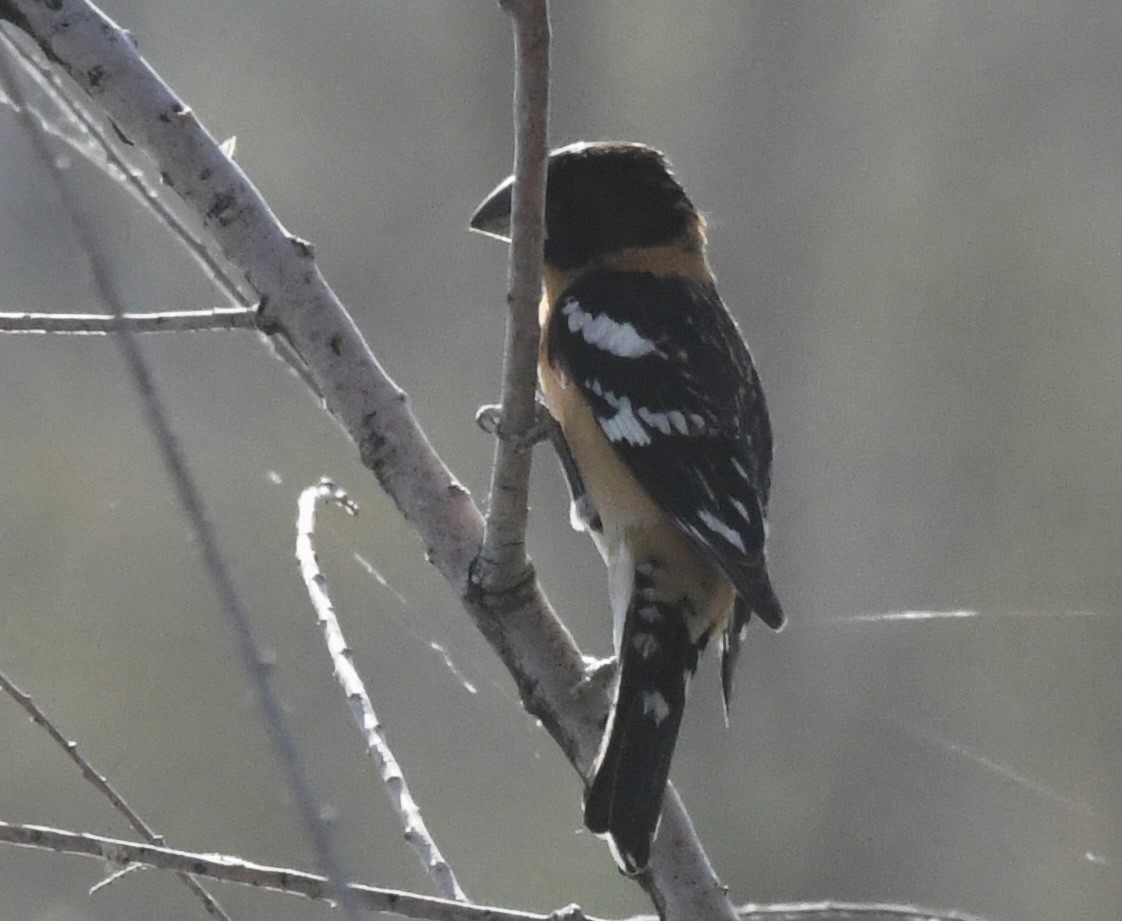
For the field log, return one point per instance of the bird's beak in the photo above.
(492, 217)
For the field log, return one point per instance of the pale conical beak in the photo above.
(492, 217)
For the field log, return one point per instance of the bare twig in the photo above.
(100, 324)
(373, 734)
(194, 509)
(103, 786)
(405, 904)
(503, 561)
(278, 879)
(846, 911)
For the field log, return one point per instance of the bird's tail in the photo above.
(656, 661)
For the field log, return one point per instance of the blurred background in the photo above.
(916, 216)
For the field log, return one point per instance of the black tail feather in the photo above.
(731, 641)
(657, 659)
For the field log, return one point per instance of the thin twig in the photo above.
(503, 560)
(100, 324)
(342, 660)
(278, 879)
(104, 787)
(830, 910)
(194, 509)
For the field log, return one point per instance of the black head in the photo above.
(601, 198)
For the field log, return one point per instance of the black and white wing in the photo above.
(671, 383)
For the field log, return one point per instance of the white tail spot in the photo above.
(655, 706)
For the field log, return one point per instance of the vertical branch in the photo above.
(503, 557)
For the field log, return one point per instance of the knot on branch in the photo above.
(374, 447)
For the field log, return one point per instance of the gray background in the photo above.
(916, 214)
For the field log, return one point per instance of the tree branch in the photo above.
(405, 904)
(503, 561)
(101, 324)
(846, 911)
(278, 879)
(105, 788)
(342, 660)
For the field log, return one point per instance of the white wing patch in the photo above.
(672, 422)
(627, 422)
(714, 524)
(598, 329)
(623, 425)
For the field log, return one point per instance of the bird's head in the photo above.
(602, 198)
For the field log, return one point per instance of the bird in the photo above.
(653, 387)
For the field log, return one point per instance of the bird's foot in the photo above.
(599, 674)
(490, 419)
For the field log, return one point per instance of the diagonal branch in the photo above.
(92, 140)
(103, 786)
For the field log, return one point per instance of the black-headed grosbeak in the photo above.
(660, 405)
